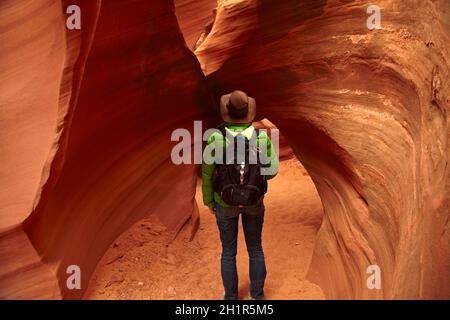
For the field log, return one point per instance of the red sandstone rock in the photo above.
(366, 113)
(87, 116)
(194, 16)
(122, 95)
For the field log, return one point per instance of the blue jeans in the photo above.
(252, 222)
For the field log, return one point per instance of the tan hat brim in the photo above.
(228, 118)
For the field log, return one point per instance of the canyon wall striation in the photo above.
(87, 117)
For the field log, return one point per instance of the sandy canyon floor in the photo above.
(144, 263)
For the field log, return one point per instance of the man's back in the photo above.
(209, 196)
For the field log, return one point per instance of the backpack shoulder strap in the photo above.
(257, 133)
(221, 127)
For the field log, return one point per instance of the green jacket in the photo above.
(209, 196)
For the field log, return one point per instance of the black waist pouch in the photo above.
(240, 195)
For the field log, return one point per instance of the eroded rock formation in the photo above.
(120, 97)
(87, 117)
(367, 114)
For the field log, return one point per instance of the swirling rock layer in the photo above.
(87, 117)
(367, 113)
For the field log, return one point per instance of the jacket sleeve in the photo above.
(207, 173)
(271, 154)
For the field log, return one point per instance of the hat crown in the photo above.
(239, 99)
(237, 107)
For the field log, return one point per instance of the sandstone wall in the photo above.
(86, 119)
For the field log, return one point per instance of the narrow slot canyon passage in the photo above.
(144, 264)
(87, 116)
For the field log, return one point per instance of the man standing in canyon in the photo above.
(238, 186)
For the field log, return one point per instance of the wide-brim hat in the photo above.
(237, 102)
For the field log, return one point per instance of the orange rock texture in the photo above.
(87, 116)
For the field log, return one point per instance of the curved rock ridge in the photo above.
(195, 18)
(29, 57)
(38, 73)
(124, 82)
(87, 117)
(284, 150)
(366, 111)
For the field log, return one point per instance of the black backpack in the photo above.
(240, 184)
